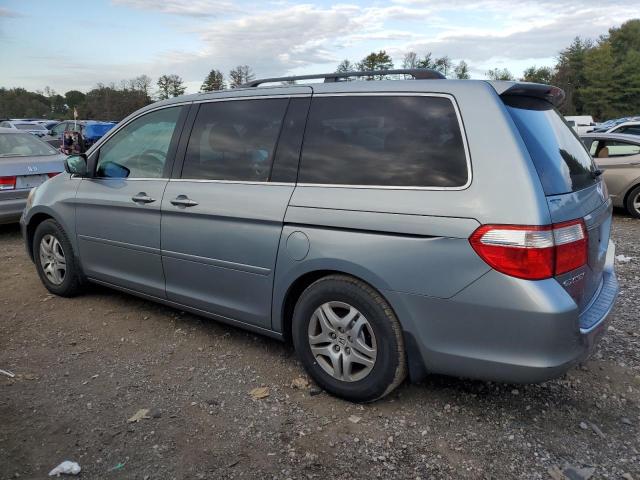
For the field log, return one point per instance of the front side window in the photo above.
(406, 141)
(234, 140)
(140, 149)
(613, 148)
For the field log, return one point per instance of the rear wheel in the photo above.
(54, 260)
(633, 202)
(349, 339)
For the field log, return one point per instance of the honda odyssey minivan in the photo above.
(388, 228)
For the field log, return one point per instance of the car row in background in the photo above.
(26, 161)
(34, 128)
(91, 131)
(618, 157)
(583, 124)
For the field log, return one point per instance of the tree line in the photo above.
(600, 77)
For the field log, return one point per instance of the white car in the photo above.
(29, 127)
(630, 128)
(581, 123)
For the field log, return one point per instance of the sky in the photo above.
(74, 44)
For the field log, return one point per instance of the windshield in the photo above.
(561, 160)
(29, 126)
(23, 145)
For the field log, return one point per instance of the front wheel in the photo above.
(633, 202)
(55, 261)
(348, 339)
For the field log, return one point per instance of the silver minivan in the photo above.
(387, 228)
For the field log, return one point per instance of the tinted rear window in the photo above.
(384, 140)
(561, 160)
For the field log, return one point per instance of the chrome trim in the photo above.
(238, 182)
(391, 187)
(254, 97)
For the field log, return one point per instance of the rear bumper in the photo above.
(11, 209)
(504, 329)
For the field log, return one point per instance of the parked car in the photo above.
(25, 162)
(427, 225)
(29, 127)
(618, 156)
(581, 123)
(91, 131)
(610, 126)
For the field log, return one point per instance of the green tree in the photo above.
(462, 71)
(538, 75)
(213, 82)
(444, 65)
(73, 98)
(240, 75)
(376, 61)
(499, 74)
(170, 86)
(569, 75)
(426, 62)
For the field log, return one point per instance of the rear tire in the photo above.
(55, 261)
(633, 202)
(349, 339)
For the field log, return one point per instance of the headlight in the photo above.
(30, 198)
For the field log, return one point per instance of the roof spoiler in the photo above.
(551, 94)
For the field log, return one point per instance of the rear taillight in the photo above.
(53, 174)
(532, 252)
(7, 183)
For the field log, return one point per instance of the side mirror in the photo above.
(76, 165)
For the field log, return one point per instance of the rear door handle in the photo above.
(142, 197)
(183, 201)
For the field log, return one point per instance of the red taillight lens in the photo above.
(7, 183)
(53, 174)
(532, 252)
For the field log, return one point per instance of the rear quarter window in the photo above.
(404, 141)
(561, 160)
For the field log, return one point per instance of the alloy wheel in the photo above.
(52, 259)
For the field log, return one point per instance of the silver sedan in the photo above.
(25, 162)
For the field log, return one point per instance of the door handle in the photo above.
(142, 197)
(183, 201)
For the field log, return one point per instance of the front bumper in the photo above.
(504, 329)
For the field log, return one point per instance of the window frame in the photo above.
(93, 154)
(176, 175)
(463, 135)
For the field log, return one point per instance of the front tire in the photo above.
(55, 260)
(633, 202)
(349, 339)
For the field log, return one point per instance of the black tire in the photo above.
(72, 280)
(631, 198)
(389, 368)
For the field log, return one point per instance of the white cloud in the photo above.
(192, 8)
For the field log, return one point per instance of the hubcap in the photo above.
(52, 259)
(342, 341)
(636, 203)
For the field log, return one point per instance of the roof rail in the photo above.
(416, 73)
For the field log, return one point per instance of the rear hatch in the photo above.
(571, 182)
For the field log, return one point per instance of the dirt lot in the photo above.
(85, 365)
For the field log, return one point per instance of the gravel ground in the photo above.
(84, 366)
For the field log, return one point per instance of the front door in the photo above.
(222, 216)
(118, 210)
